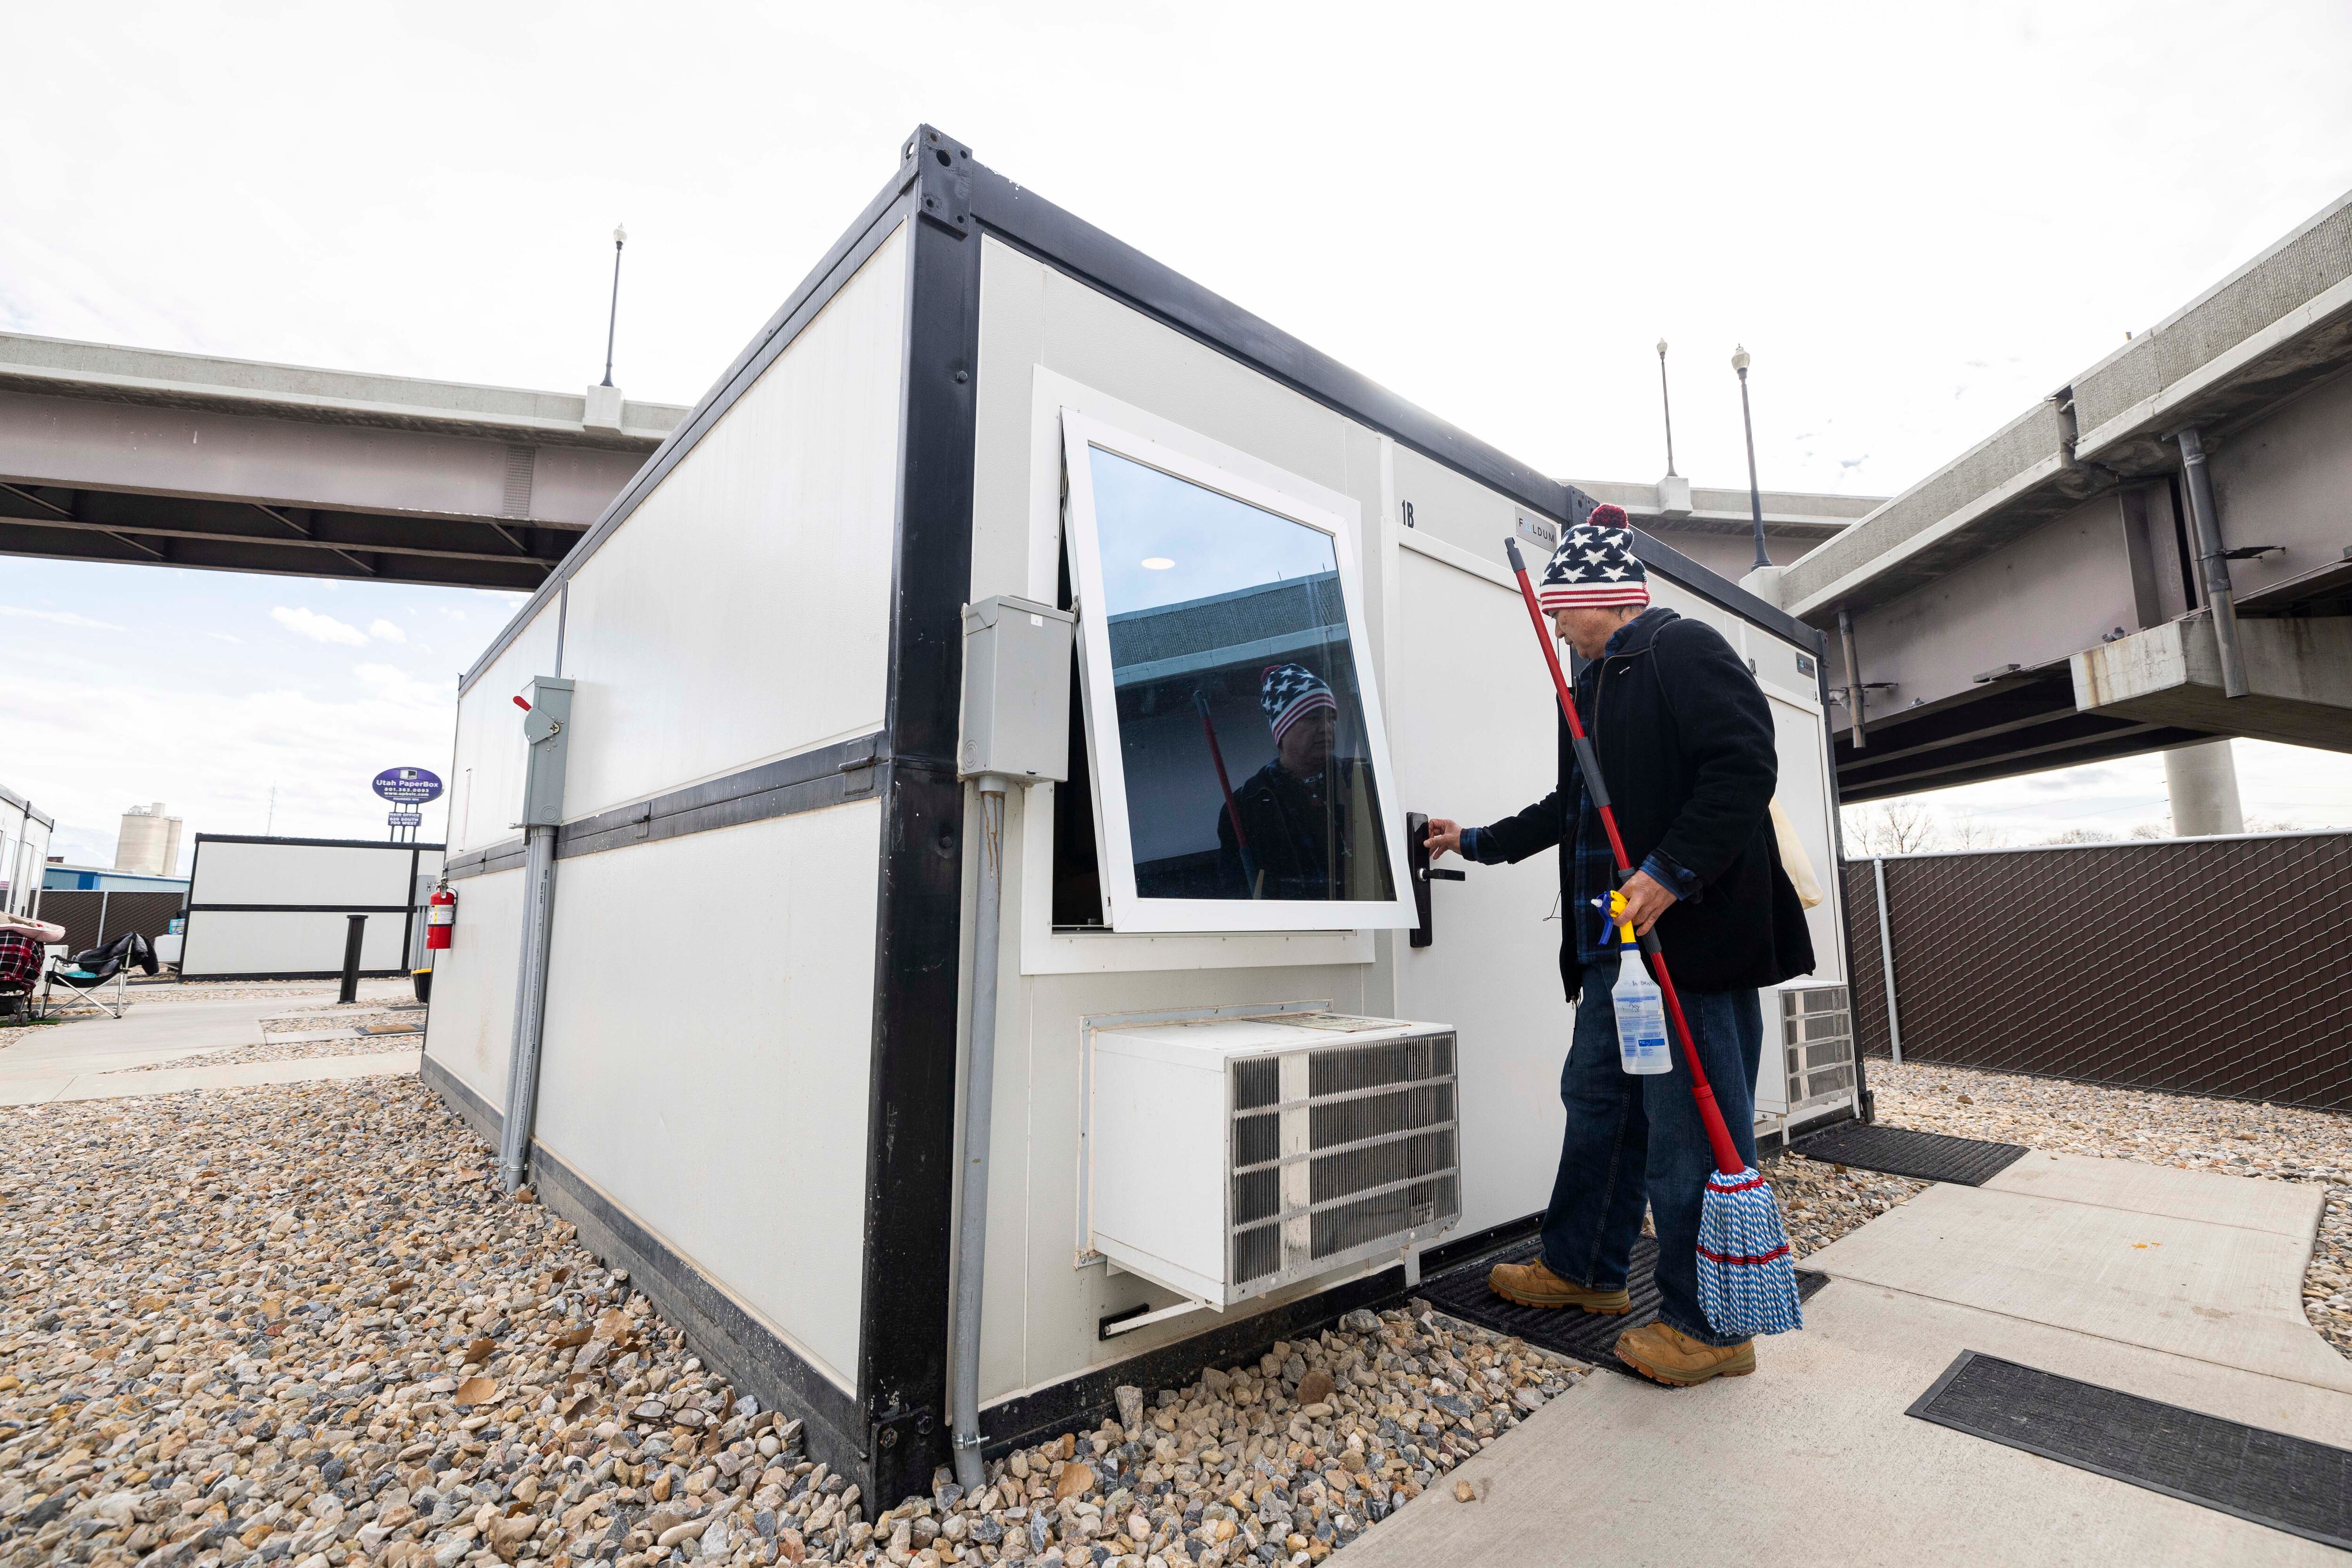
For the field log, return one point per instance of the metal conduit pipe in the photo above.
(530, 1006)
(1886, 963)
(980, 1080)
(1852, 677)
(2212, 564)
(547, 716)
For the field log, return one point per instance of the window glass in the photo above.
(1241, 724)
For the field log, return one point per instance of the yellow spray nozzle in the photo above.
(1616, 909)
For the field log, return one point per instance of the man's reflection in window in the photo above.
(1294, 828)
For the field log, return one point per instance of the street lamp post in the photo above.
(1667, 404)
(1755, 496)
(619, 238)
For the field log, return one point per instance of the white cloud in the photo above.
(318, 627)
(394, 684)
(225, 637)
(216, 755)
(59, 618)
(386, 630)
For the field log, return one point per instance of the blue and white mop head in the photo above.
(1747, 1275)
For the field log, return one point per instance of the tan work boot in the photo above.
(1666, 1354)
(1533, 1285)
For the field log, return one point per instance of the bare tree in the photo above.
(1892, 827)
(1968, 831)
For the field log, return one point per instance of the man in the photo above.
(1686, 746)
(1299, 828)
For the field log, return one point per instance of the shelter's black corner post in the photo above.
(1865, 1107)
(902, 1373)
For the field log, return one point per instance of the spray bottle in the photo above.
(1640, 1011)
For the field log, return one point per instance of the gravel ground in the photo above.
(2239, 1137)
(299, 1324)
(286, 1051)
(1821, 1202)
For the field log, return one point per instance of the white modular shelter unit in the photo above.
(23, 852)
(980, 417)
(280, 908)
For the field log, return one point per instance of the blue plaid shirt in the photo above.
(1596, 868)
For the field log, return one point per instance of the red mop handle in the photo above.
(1233, 811)
(1217, 755)
(1726, 1153)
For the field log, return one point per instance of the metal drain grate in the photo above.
(1462, 1293)
(1899, 1151)
(2287, 1483)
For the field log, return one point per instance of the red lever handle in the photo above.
(521, 704)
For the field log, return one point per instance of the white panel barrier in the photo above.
(280, 907)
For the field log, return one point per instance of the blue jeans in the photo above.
(1636, 1140)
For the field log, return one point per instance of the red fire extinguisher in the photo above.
(440, 917)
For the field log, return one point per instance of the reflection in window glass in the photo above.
(1240, 724)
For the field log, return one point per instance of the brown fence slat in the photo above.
(2122, 963)
(148, 914)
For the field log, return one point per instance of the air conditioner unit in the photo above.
(1817, 1032)
(1231, 1157)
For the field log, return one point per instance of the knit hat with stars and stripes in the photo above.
(1595, 565)
(1288, 692)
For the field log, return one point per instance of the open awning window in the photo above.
(1241, 773)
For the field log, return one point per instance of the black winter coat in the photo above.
(1686, 741)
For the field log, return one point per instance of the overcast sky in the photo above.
(1918, 219)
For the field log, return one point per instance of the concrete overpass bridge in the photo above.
(121, 454)
(135, 454)
(2156, 555)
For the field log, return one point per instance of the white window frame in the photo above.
(1123, 910)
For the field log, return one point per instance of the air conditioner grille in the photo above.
(1256, 1253)
(1377, 1115)
(1384, 1214)
(1257, 1195)
(1257, 1081)
(1257, 1139)
(1376, 1166)
(1349, 1068)
(1341, 1152)
(1817, 1037)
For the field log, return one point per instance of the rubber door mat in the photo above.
(2288, 1483)
(1899, 1151)
(1462, 1293)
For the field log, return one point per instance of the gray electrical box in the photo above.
(546, 727)
(1016, 689)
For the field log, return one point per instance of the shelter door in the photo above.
(1472, 723)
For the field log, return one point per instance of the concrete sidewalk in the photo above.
(2177, 1286)
(178, 1080)
(160, 1032)
(72, 1060)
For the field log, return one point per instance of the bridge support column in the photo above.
(2202, 782)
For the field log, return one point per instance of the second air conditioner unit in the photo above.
(1231, 1157)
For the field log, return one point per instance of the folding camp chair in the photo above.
(88, 973)
(22, 958)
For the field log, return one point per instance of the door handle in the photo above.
(1421, 874)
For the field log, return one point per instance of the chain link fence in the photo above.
(2216, 966)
